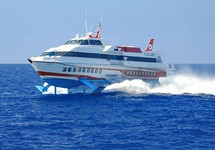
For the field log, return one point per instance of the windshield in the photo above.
(84, 42)
(73, 42)
(53, 53)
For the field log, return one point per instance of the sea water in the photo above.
(177, 114)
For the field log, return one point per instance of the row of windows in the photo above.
(84, 42)
(146, 73)
(141, 73)
(87, 55)
(80, 69)
(128, 73)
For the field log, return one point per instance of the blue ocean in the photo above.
(178, 114)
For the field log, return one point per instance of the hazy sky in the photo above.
(183, 29)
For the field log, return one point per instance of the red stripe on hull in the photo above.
(42, 73)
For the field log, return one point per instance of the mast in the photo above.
(97, 35)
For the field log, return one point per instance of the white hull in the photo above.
(111, 73)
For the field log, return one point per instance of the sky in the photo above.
(183, 29)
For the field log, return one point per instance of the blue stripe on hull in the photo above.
(67, 83)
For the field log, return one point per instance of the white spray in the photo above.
(174, 84)
(51, 90)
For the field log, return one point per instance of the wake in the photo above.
(175, 84)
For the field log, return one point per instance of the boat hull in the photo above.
(68, 75)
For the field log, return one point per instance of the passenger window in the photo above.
(79, 69)
(92, 70)
(151, 74)
(85, 42)
(64, 69)
(51, 54)
(100, 70)
(69, 69)
(92, 42)
(88, 70)
(95, 42)
(74, 69)
(80, 41)
(96, 70)
(130, 72)
(84, 69)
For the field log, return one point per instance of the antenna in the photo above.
(92, 25)
(86, 20)
(101, 20)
